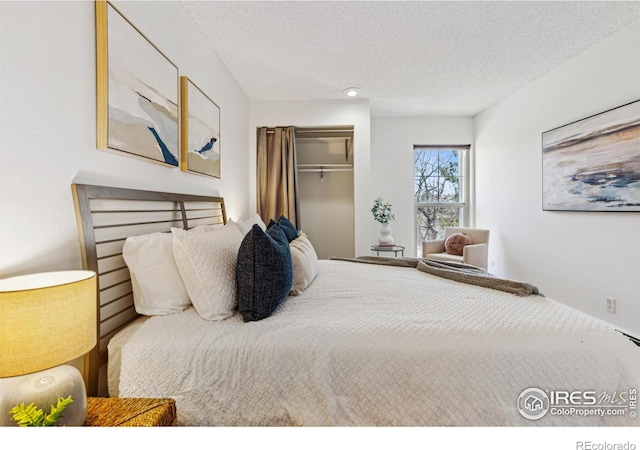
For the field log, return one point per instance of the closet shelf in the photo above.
(325, 170)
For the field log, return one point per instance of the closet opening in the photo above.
(325, 188)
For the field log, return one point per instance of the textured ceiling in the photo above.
(409, 58)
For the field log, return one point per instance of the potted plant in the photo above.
(382, 213)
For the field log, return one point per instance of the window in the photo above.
(441, 190)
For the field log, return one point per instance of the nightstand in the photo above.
(130, 412)
(388, 248)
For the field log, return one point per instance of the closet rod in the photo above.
(325, 165)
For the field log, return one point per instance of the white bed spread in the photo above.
(378, 345)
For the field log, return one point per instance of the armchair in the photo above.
(475, 254)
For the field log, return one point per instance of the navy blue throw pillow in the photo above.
(288, 228)
(264, 272)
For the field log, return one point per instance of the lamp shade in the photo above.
(46, 319)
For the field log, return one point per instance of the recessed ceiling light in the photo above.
(352, 91)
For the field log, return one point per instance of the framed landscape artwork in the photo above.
(137, 91)
(200, 128)
(593, 164)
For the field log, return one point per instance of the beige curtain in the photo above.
(277, 178)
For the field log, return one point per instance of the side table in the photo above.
(130, 412)
(388, 248)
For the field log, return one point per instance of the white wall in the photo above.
(574, 257)
(324, 113)
(47, 124)
(392, 141)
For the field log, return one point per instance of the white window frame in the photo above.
(464, 192)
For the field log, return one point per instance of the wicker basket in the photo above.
(131, 412)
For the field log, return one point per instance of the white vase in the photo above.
(385, 235)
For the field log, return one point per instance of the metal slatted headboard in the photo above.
(106, 216)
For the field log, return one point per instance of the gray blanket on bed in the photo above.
(463, 273)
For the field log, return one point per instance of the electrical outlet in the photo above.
(610, 304)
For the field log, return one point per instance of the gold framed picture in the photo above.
(200, 131)
(137, 91)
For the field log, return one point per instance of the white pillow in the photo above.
(305, 263)
(204, 228)
(158, 288)
(207, 264)
(246, 225)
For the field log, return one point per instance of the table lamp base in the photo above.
(44, 388)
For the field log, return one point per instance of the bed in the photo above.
(362, 345)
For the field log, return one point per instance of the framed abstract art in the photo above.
(137, 91)
(200, 131)
(593, 164)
